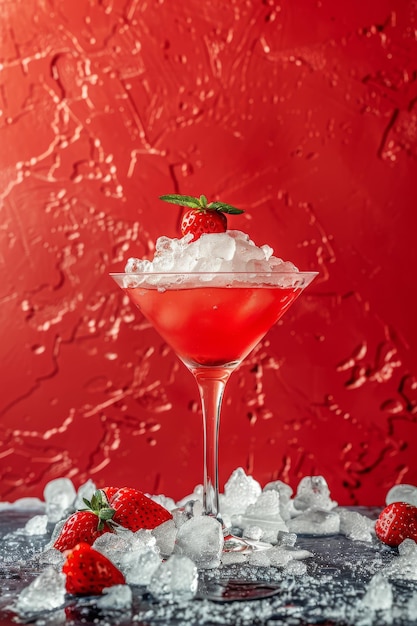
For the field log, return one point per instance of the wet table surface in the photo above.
(331, 591)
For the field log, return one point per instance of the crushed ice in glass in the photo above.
(299, 559)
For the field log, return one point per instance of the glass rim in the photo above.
(225, 273)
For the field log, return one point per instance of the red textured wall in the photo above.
(302, 113)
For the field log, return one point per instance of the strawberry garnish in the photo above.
(397, 522)
(134, 510)
(88, 572)
(109, 508)
(202, 218)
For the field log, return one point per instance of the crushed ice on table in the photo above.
(116, 598)
(59, 497)
(46, 592)
(135, 554)
(201, 540)
(314, 560)
(265, 514)
(175, 580)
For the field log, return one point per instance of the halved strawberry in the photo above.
(398, 521)
(202, 218)
(88, 572)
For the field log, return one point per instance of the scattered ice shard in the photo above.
(378, 595)
(135, 554)
(36, 525)
(279, 556)
(24, 504)
(116, 598)
(201, 540)
(59, 497)
(313, 493)
(285, 493)
(85, 491)
(45, 593)
(403, 566)
(165, 535)
(315, 522)
(165, 501)
(175, 580)
(239, 492)
(402, 493)
(264, 513)
(355, 526)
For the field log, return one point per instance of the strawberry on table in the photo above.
(202, 218)
(88, 572)
(109, 508)
(398, 521)
(86, 525)
(134, 510)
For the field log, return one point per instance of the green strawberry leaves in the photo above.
(200, 204)
(99, 505)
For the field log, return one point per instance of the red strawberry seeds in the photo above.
(398, 521)
(109, 508)
(88, 572)
(202, 218)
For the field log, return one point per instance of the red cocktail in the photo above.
(212, 321)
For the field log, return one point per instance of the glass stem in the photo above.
(211, 382)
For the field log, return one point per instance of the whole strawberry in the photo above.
(134, 510)
(202, 218)
(398, 521)
(88, 572)
(109, 508)
(86, 525)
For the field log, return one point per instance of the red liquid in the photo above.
(213, 326)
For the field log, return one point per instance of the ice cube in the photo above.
(116, 598)
(59, 497)
(315, 522)
(175, 580)
(253, 532)
(259, 558)
(403, 566)
(86, 490)
(135, 554)
(402, 493)
(239, 492)
(229, 558)
(45, 593)
(137, 266)
(168, 503)
(280, 556)
(296, 568)
(221, 247)
(201, 540)
(355, 526)
(165, 535)
(378, 595)
(265, 513)
(37, 525)
(313, 493)
(285, 493)
(23, 504)
(286, 539)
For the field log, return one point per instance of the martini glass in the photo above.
(212, 321)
